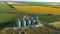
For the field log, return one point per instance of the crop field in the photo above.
(38, 10)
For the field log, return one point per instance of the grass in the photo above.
(47, 18)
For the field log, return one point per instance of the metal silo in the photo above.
(32, 21)
(17, 23)
(27, 22)
(36, 20)
(22, 22)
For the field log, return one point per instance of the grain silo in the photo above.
(36, 20)
(32, 21)
(27, 22)
(17, 24)
(22, 22)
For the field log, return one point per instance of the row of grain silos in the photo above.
(26, 22)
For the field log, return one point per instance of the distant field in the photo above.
(5, 8)
(38, 10)
(46, 4)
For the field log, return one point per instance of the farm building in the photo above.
(26, 22)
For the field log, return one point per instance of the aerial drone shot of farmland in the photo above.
(29, 17)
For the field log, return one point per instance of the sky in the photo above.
(34, 0)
